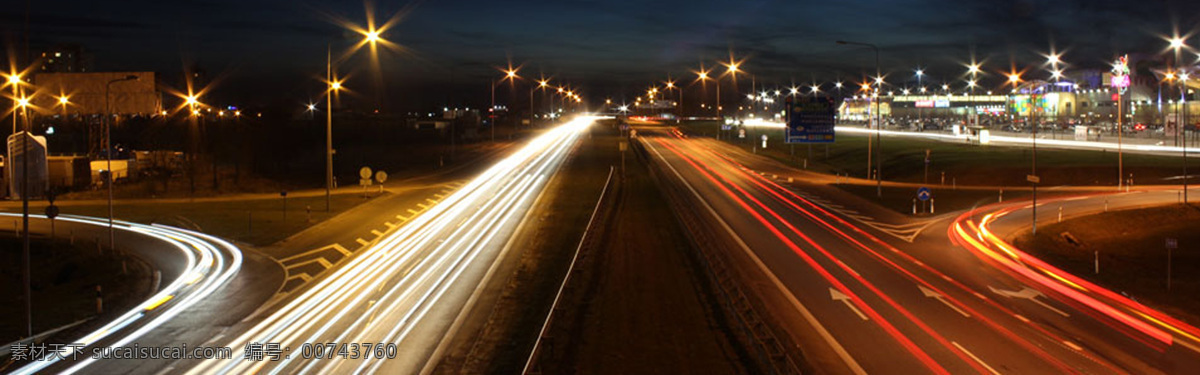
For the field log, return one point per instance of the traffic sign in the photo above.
(811, 120)
(51, 211)
(1171, 242)
(924, 193)
(365, 172)
(381, 176)
(1033, 179)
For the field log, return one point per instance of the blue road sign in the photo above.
(924, 193)
(810, 120)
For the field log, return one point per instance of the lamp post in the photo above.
(372, 36)
(510, 74)
(878, 120)
(107, 156)
(542, 84)
(671, 86)
(1176, 44)
(920, 117)
(21, 102)
(1120, 73)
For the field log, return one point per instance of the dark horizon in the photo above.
(265, 52)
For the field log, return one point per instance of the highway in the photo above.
(194, 268)
(406, 289)
(882, 305)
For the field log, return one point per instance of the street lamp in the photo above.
(107, 155)
(878, 122)
(542, 84)
(1176, 44)
(510, 74)
(372, 36)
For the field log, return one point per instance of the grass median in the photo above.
(1131, 248)
(257, 222)
(960, 163)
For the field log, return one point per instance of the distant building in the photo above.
(66, 58)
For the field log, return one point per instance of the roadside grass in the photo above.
(961, 163)
(257, 222)
(1131, 246)
(944, 199)
(63, 284)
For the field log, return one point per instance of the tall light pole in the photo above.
(333, 85)
(509, 74)
(542, 84)
(670, 84)
(1120, 79)
(920, 117)
(878, 118)
(20, 102)
(112, 242)
(372, 36)
(1176, 44)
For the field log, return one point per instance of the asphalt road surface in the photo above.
(885, 305)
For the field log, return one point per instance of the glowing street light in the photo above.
(1014, 78)
(973, 68)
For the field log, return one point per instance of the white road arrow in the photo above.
(1029, 294)
(839, 296)
(938, 296)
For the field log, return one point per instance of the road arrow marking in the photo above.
(1029, 294)
(839, 296)
(938, 296)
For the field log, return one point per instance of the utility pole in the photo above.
(878, 121)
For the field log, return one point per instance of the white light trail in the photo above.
(388, 290)
(211, 262)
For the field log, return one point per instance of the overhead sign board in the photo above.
(810, 120)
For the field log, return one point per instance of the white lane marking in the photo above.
(324, 263)
(839, 296)
(808, 316)
(376, 233)
(938, 296)
(362, 241)
(848, 268)
(302, 276)
(972, 355)
(1073, 345)
(337, 247)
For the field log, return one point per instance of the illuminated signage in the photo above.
(924, 104)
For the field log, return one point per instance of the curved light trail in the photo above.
(1146, 324)
(211, 262)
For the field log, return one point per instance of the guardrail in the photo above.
(747, 322)
(587, 241)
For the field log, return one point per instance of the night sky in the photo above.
(269, 51)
